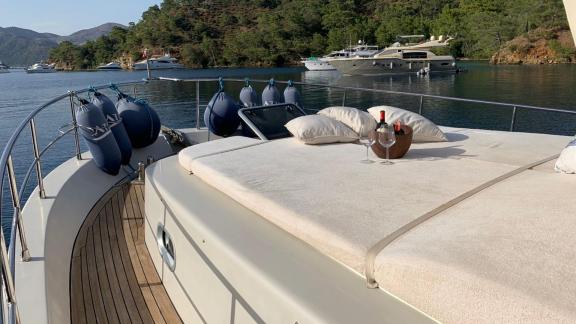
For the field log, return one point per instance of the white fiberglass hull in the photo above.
(157, 66)
(109, 67)
(318, 65)
(41, 71)
(383, 66)
(253, 271)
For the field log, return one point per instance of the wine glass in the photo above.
(386, 138)
(367, 140)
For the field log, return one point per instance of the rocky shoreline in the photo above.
(540, 46)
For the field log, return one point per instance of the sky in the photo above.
(64, 17)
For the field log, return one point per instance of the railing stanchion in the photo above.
(148, 72)
(13, 314)
(141, 171)
(11, 310)
(344, 99)
(513, 121)
(421, 105)
(38, 163)
(75, 124)
(17, 208)
(2, 303)
(197, 104)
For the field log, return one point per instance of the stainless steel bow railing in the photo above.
(514, 108)
(10, 313)
(9, 309)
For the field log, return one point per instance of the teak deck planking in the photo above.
(112, 277)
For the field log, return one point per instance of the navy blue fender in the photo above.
(99, 138)
(249, 97)
(292, 95)
(140, 120)
(115, 122)
(271, 95)
(221, 115)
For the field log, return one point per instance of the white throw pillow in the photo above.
(360, 121)
(424, 130)
(318, 129)
(566, 163)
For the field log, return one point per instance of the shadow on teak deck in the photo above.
(112, 277)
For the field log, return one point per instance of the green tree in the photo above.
(277, 32)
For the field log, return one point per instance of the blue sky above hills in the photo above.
(66, 17)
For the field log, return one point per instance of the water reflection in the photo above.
(548, 86)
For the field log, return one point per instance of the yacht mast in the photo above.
(570, 7)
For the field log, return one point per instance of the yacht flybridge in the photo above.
(225, 225)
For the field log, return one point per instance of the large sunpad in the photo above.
(505, 253)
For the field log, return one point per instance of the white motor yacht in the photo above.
(110, 66)
(4, 68)
(158, 63)
(323, 63)
(41, 68)
(476, 228)
(401, 57)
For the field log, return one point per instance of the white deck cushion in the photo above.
(318, 129)
(503, 255)
(506, 255)
(424, 129)
(191, 153)
(566, 163)
(360, 121)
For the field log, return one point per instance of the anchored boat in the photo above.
(112, 66)
(4, 68)
(314, 63)
(158, 63)
(401, 57)
(323, 63)
(41, 68)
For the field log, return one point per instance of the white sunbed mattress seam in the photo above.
(383, 243)
(226, 151)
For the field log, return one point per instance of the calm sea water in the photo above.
(548, 86)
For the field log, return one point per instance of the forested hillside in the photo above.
(278, 32)
(23, 47)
